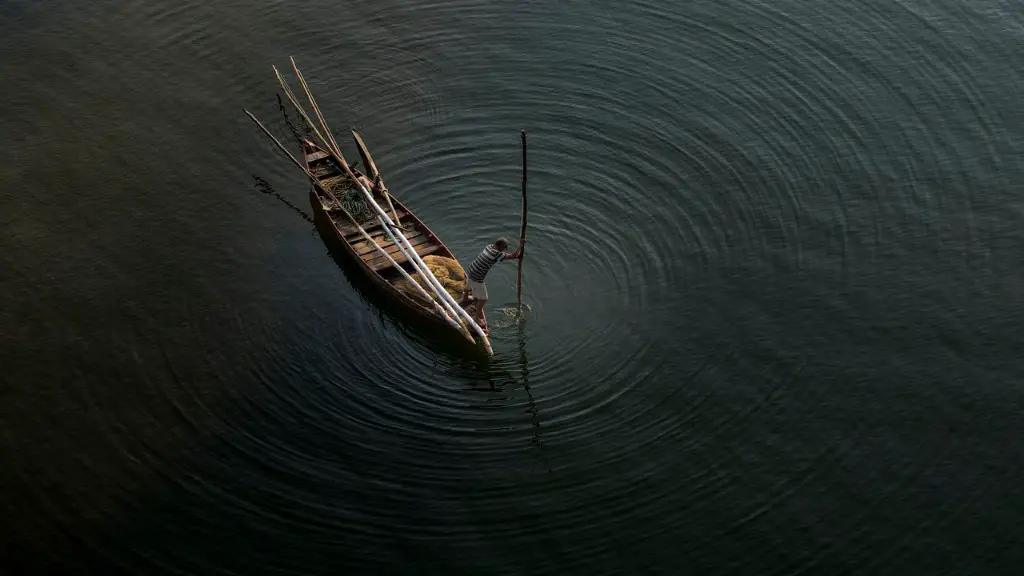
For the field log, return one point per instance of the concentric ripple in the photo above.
(770, 284)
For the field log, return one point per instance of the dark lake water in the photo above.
(775, 278)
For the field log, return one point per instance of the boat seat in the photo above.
(333, 180)
(366, 251)
(372, 227)
(380, 263)
(325, 169)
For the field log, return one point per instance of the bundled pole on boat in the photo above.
(440, 311)
(333, 147)
(334, 150)
(300, 110)
(312, 102)
(390, 227)
(522, 234)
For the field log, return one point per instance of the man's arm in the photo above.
(515, 255)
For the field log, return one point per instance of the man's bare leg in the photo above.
(480, 315)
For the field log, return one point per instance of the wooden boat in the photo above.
(369, 243)
(368, 260)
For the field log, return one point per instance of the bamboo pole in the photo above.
(302, 112)
(412, 256)
(440, 311)
(522, 233)
(312, 102)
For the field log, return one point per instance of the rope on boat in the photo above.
(350, 197)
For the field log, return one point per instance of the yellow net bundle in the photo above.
(447, 271)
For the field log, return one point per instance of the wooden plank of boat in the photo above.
(371, 226)
(323, 171)
(363, 247)
(317, 156)
(380, 263)
(332, 181)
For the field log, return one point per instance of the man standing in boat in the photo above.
(476, 290)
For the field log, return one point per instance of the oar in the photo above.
(522, 233)
(371, 167)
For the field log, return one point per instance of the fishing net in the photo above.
(510, 316)
(350, 197)
(448, 272)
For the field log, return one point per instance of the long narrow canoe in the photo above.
(369, 261)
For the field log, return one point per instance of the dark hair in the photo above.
(501, 243)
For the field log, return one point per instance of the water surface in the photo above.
(773, 278)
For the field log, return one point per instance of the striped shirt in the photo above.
(479, 268)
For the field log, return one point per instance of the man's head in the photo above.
(501, 244)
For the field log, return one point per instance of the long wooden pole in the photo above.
(302, 112)
(312, 102)
(522, 233)
(441, 312)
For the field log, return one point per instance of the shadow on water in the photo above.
(524, 375)
(265, 187)
(296, 136)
